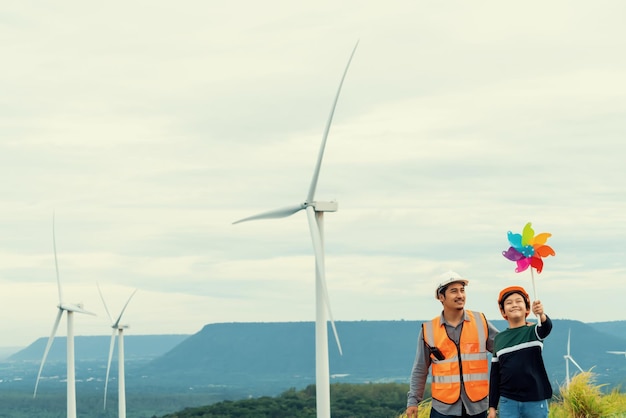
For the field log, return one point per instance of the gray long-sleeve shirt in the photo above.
(421, 365)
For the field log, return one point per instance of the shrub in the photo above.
(424, 409)
(584, 399)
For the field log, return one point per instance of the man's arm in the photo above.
(493, 331)
(419, 373)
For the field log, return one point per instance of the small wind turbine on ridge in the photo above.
(69, 308)
(119, 328)
(315, 215)
(569, 358)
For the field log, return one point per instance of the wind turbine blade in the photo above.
(104, 303)
(576, 364)
(123, 309)
(319, 260)
(568, 337)
(55, 327)
(617, 352)
(277, 213)
(106, 381)
(316, 172)
(56, 263)
(72, 307)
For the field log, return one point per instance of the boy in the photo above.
(518, 382)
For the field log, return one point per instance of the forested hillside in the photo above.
(347, 401)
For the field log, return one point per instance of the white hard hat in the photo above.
(446, 278)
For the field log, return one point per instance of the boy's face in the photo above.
(515, 307)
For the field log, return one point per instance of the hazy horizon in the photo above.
(62, 335)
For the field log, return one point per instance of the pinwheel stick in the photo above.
(532, 276)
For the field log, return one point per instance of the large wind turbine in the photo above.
(119, 328)
(569, 358)
(70, 308)
(315, 215)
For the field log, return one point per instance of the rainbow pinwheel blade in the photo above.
(536, 263)
(522, 264)
(527, 234)
(512, 254)
(515, 240)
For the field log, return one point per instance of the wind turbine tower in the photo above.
(315, 214)
(569, 358)
(70, 309)
(121, 382)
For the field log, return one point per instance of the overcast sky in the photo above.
(148, 127)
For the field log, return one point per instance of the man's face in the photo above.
(454, 297)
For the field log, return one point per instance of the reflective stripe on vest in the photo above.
(446, 374)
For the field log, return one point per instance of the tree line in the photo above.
(373, 400)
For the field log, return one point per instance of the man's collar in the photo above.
(444, 322)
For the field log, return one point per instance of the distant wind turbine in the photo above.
(315, 215)
(119, 328)
(70, 309)
(617, 352)
(569, 358)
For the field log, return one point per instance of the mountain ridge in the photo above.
(269, 357)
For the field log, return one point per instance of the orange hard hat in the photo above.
(506, 292)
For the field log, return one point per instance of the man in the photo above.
(455, 344)
(519, 384)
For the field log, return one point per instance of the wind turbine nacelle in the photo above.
(325, 206)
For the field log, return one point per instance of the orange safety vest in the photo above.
(446, 382)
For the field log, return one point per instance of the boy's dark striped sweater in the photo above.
(517, 369)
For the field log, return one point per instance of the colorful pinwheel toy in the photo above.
(528, 250)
